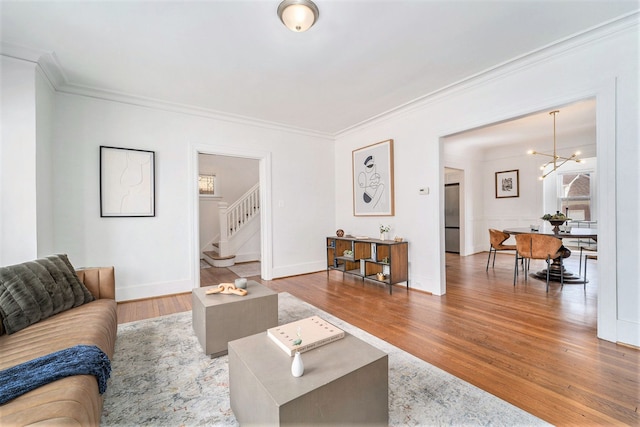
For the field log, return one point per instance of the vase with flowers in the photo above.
(297, 367)
(384, 229)
(557, 219)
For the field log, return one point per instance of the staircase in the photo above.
(238, 223)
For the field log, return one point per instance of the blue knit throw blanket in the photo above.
(77, 360)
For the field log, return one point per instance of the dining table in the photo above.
(556, 269)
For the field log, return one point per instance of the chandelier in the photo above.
(555, 159)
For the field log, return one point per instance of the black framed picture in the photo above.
(507, 184)
(127, 182)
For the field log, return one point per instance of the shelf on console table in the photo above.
(368, 258)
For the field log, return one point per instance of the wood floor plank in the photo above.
(534, 349)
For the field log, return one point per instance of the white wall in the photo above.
(18, 223)
(156, 256)
(603, 64)
(44, 167)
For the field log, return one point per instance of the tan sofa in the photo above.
(73, 400)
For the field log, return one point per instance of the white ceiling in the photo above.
(361, 59)
(578, 118)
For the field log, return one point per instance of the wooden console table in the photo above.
(366, 258)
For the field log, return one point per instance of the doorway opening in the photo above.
(229, 166)
(501, 146)
(229, 209)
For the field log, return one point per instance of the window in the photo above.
(575, 196)
(207, 185)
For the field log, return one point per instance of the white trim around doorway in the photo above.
(609, 327)
(266, 235)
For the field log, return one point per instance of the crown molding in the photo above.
(156, 104)
(53, 70)
(591, 35)
(57, 79)
(24, 53)
(46, 62)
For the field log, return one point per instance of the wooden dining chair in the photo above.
(538, 246)
(523, 250)
(496, 239)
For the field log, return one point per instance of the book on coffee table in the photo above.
(314, 332)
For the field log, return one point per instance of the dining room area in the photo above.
(516, 175)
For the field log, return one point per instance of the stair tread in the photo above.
(214, 255)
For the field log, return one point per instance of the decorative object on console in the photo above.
(340, 232)
(384, 229)
(227, 288)
(373, 180)
(241, 283)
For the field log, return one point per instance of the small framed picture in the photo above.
(507, 184)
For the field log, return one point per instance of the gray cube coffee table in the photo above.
(345, 382)
(220, 318)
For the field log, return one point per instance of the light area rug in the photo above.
(246, 269)
(161, 377)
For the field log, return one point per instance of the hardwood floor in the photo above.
(535, 350)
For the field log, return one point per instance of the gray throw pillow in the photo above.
(35, 290)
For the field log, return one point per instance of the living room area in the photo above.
(510, 342)
(456, 334)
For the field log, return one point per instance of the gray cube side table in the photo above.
(344, 383)
(220, 318)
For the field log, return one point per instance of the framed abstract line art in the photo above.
(507, 184)
(373, 180)
(127, 182)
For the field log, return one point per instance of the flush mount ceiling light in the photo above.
(298, 15)
(555, 158)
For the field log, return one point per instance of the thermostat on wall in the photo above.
(423, 191)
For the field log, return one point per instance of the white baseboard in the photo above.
(294, 270)
(151, 290)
